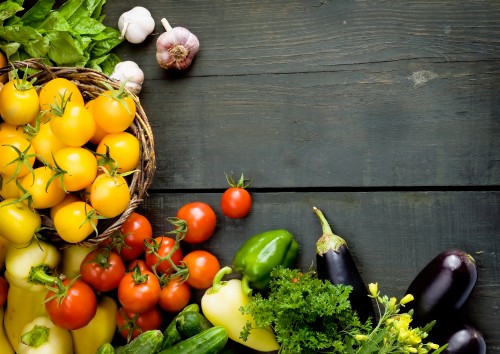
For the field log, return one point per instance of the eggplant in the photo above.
(461, 339)
(334, 262)
(442, 287)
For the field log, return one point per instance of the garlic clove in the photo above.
(130, 73)
(136, 24)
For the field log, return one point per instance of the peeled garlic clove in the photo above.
(176, 48)
(136, 24)
(130, 73)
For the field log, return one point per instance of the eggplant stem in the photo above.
(328, 241)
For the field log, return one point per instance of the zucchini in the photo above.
(106, 348)
(170, 334)
(189, 324)
(210, 341)
(148, 342)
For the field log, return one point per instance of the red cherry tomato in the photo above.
(202, 267)
(175, 295)
(102, 269)
(76, 309)
(4, 289)
(157, 252)
(139, 291)
(141, 263)
(200, 219)
(130, 324)
(135, 230)
(236, 202)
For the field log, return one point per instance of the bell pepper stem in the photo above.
(245, 286)
(38, 336)
(217, 282)
(40, 275)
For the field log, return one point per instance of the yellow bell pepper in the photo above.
(72, 257)
(25, 299)
(221, 306)
(3, 251)
(4, 340)
(41, 336)
(99, 330)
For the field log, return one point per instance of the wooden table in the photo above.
(384, 114)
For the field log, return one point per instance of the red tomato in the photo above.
(135, 230)
(157, 253)
(102, 269)
(76, 309)
(4, 289)
(200, 219)
(236, 202)
(139, 291)
(130, 324)
(137, 263)
(202, 267)
(175, 295)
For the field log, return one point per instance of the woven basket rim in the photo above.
(91, 82)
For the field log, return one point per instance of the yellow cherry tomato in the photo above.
(18, 222)
(75, 126)
(46, 144)
(109, 195)
(69, 198)
(8, 131)
(114, 111)
(52, 92)
(124, 149)
(8, 187)
(79, 167)
(99, 132)
(45, 190)
(19, 102)
(75, 221)
(17, 156)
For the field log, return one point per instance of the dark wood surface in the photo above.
(384, 114)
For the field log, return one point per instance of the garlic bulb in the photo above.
(136, 24)
(130, 73)
(176, 48)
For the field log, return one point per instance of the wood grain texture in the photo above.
(348, 93)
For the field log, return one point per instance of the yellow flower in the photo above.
(410, 350)
(406, 299)
(392, 304)
(361, 337)
(432, 345)
(373, 288)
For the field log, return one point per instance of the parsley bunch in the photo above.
(308, 315)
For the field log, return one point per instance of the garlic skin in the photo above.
(130, 73)
(136, 24)
(176, 48)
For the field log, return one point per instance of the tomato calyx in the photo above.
(22, 158)
(130, 324)
(137, 276)
(242, 182)
(22, 84)
(118, 95)
(41, 275)
(58, 108)
(102, 257)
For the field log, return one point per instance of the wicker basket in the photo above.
(90, 83)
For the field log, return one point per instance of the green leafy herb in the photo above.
(308, 315)
(71, 35)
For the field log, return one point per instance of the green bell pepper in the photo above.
(260, 254)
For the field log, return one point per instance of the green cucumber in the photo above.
(191, 323)
(106, 348)
(210, 341)
(170, 334)
(148, 342)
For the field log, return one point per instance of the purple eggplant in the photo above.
(442, 286)
(335, 263)
(461, 339)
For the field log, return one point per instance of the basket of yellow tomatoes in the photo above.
(76, 154)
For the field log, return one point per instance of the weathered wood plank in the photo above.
(392, 235)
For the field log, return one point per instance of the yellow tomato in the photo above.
(8, 131)
(46, 143)
(17, 156)
(79, 166)
(76, 125)
(99, 132)
(124, 149)
(114, 112)
(52, 92)
(18, 222)
(44, 192)
(69, 198)
(109, 195)
(8, 187)
(19, 102)
(3, 62)
(75, 221)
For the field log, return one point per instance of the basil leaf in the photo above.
(9, 9)
(38, 12)
(64, 50)
(87, 25)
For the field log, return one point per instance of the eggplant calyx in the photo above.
(328, 241)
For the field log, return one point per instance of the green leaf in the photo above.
(21, 34)
(105, 42)
(38, 12)
(64, 50)
(54, 22)
(87, 25)
(106, 63)
(10, 48)
(9, 9)
(95, 8)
